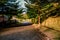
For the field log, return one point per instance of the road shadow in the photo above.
(12, 24)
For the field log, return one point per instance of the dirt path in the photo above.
(7, 31)
(51, 33)
(22, 33)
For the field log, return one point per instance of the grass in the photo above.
(53, 27)
(52, 23)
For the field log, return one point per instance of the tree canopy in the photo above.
(8, 8)
(44, 8)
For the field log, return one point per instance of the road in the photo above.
(22, 33)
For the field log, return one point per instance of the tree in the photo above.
(10, 9)
(2, 5)
(36, 6)
(3, 1)
(44, 10)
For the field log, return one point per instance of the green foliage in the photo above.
(11, 9)
(45, 10)
(32, 13)
(3, 1)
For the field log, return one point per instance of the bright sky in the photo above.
(22, 5)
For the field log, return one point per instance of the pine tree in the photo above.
(8, 8)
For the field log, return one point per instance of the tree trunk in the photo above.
(39, 16)
(38, 19)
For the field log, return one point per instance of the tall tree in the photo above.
(44, 9)
(8, 8)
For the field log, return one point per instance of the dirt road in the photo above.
(22, 33)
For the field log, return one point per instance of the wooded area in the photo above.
(14, 13)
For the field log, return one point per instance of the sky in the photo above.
(21, 4)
